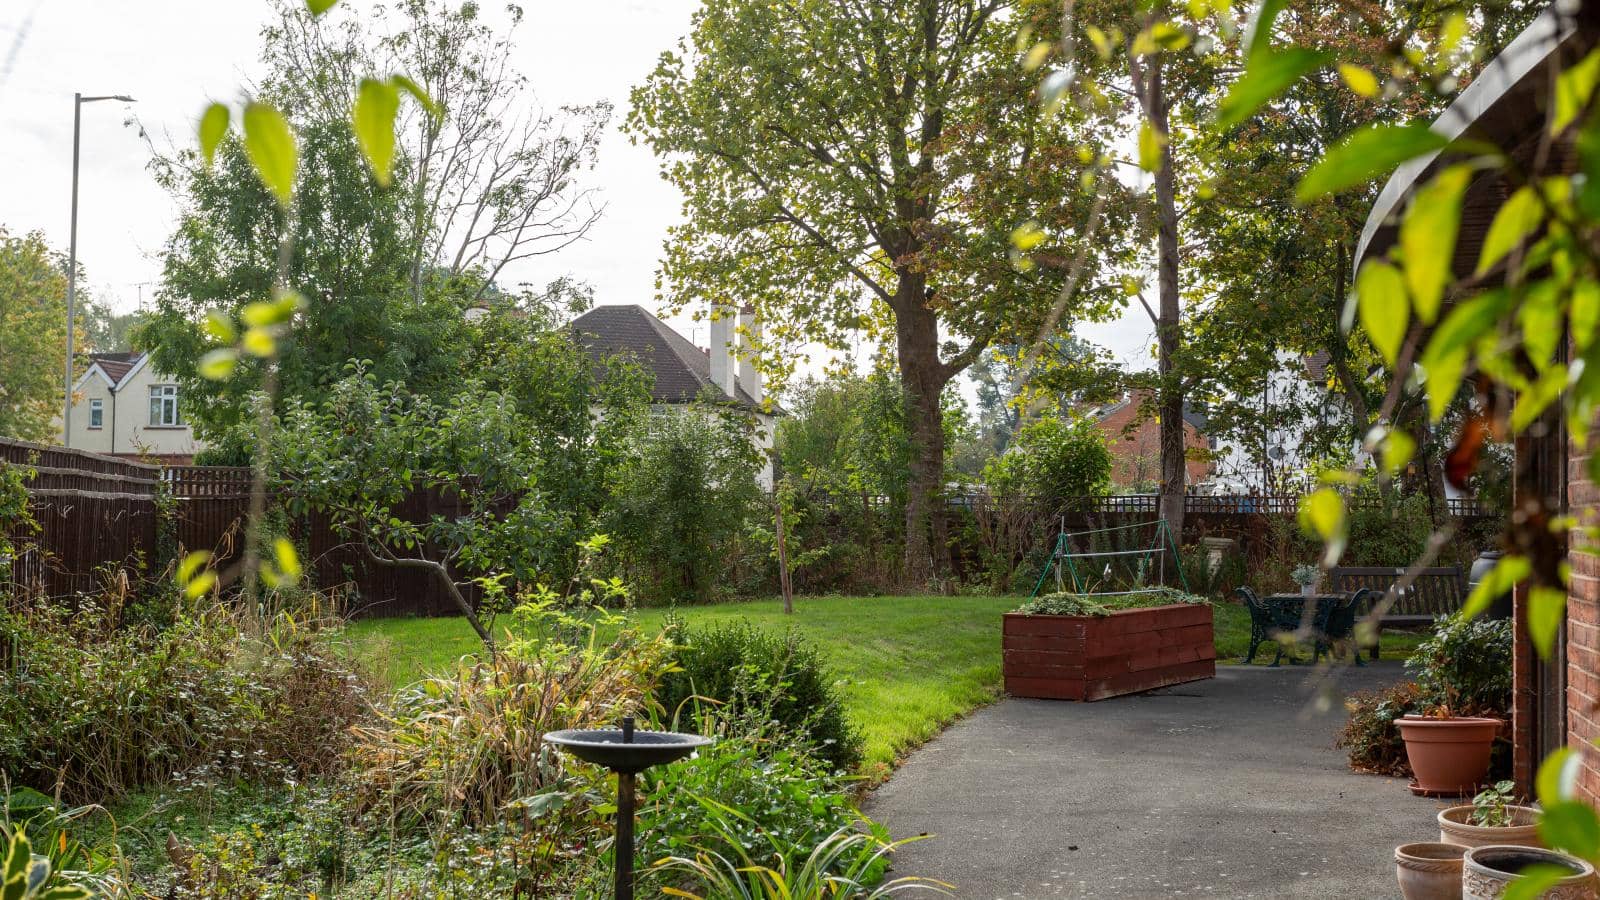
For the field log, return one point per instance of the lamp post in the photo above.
(78, 100)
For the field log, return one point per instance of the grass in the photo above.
(908, 666)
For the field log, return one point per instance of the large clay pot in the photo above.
(1449, 756)
(1487, 871)
(1522, 832)
(1429, 871)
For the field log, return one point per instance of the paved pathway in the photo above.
(1222, 788)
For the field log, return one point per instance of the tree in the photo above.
(880, 167)
(33, 336)
(1053, 460)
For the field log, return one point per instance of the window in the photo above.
(97, 413)
(164, 406)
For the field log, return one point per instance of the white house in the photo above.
(121, 406)
(683, 372)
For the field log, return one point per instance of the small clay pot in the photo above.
(1486, 872)
(1429, 871)
(1522, 832)
(1450, 756)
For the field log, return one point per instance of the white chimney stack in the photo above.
(722, 349)
(749, 375)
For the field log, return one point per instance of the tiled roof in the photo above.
(117, 365)
(682, 370)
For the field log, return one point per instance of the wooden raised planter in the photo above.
(1095, 657)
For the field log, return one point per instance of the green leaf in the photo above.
(1585, 314)
(1540, 319)
(1428, 239)
(1366, 154)
(1558, 776)
(259, 342)
(318, 7)
(1027, 236)
(1258, 31)
(1322, 514)
(377, 104)
(219, 363)
(1398, 448)
(1574, 90)
(1381, 302)
(199, 585)
(1572, 826)
(1150, 143)
(1506, 574)
(1359, 79)
(191, 564)
(213, 128)
(219, 325)
(270, 144)
(1537, 398)
(1534, 881)
(1518, 218)
(1266, 76)
(1547, 608)
(1443, 379)
(288, 560)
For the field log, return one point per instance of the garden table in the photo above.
(1333, 619)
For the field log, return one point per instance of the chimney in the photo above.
(722, 349)
(749, 376)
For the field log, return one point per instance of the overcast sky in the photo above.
(173, 56)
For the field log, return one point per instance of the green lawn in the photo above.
(907, 665)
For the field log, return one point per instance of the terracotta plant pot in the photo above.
(1487, 871)
(1429, 871)
(1522, 832)
(1449, 756)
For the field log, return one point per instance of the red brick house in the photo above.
(1554, 702)
(1133, 435)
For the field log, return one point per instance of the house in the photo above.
(683, 373)
(1554, 700)
(122, 406)
(1133, 436)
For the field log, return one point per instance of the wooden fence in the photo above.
(96, 513)
(93, 515)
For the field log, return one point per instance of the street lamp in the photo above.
(78, 100)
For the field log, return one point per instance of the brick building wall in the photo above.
(1135, 444)
(1583, 618)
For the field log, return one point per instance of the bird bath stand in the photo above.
(627, 753)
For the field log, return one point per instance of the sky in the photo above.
(174, 56)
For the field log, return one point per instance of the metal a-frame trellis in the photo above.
(1063, 557)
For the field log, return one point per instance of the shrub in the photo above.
(1466, 666)
(1066, 603)
(105, 709)
(744, 794)
(1370, 737)
(740, 671)
(1052, 459)
(848, 863)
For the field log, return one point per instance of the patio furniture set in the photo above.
(1357, 592)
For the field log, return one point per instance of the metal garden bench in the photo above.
(1437, 591)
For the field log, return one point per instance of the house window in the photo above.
(164, 405)
(97, 413)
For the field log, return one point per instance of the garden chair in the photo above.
(1340, 627)
(1266, 621)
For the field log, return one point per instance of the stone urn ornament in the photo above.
(1486, 872)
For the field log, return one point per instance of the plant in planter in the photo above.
(1307, 576)
(1085, 647)
(1464, 671)
(1488, 872)
(1493, 817)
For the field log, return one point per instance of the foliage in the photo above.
(1065, 603)
(1491, 806)
(467, 747)
(15, 515)
(1390, 532)
(1465, 666)
(1370, 736)
(1306, 574)
(102, 709)
(30, 876)
(740, 672)
(877, 208)
(1054, 460)
(845, 864)
(680, 497)
(746, 793)
(33, 315)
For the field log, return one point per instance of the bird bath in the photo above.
(626, 752)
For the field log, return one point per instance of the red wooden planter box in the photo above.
(1095, 657)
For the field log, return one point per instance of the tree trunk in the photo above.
(1168, 322)
(922, 377)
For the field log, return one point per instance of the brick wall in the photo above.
(1135, 444)
(1583, 618)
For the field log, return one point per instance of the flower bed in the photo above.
(1092, 657)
